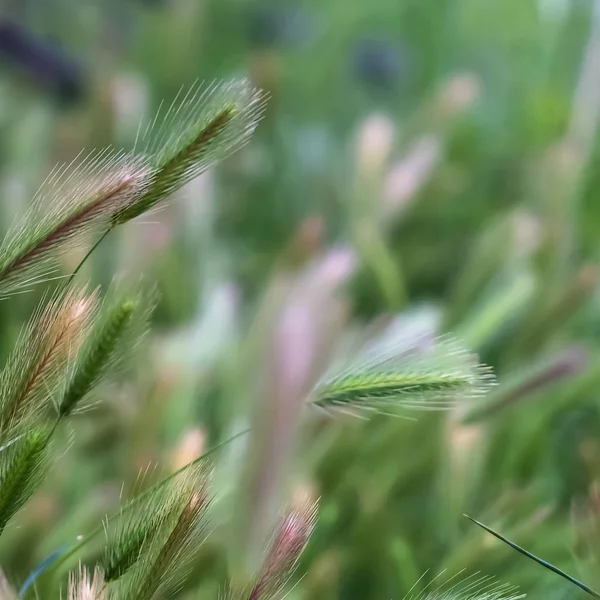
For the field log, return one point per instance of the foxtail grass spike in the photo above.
(472, 587)
(121, 324)
(69, 553)
(86, 586)
(38, 364)
(283, 553)
(22, 468)
(6, 590)
(135, 532)
(538, 560)
(388, 376)
(171, 552)
(202, 127)
(75, 200)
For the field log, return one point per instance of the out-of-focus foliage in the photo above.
(452, 146)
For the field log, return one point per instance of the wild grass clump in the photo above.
(78, 341)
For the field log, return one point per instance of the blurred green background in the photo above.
(452, 145)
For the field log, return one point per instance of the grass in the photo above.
(453, 200)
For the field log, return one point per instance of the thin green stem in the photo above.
(88, 254)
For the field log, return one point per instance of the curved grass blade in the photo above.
(538, 560)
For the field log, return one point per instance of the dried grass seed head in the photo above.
(472, 587)
(38, 364)
(76, 199)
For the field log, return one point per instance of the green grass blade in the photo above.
(538, 560)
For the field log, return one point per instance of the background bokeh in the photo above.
(451, 146)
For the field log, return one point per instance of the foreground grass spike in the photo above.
(137, 531)
(23, 466)
(469, 588)
(170, 552)
(86, 586)
(122, 322)
(387, 376)
(282, 557)
(538, 560)
(54, 562)
(6, 590)
(200, 128)
(74, 201)
(38, 364)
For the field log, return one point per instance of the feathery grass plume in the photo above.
(136, 531)
(86, 586)
(165, 559)
(6, 591)
(282, 556)
(536, 559)
(391, 375)
(134, 502)
(23, 466)
(473, 587)
(76, 199)
(38, 363)
(122, 322)
(202, 127)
